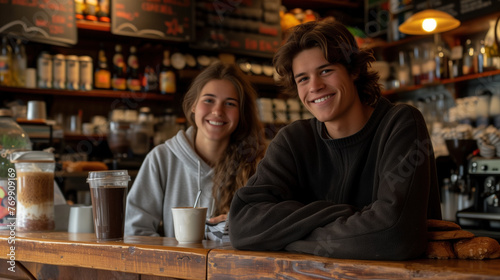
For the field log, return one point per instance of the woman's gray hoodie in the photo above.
(168, 177)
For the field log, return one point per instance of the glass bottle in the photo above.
(102, 75)
(91, 10)
(481, 56)
(133, 80)
(441, 58)
(149, 80)
(12, 138)
(457, 60)
(79, 9)
(468, 58)
(5, 63)
(167, 75)
(119, 80)
(492, 59)
(403, 70)
(103, 11)
(19, 65)
(416, 65)
(428, 64)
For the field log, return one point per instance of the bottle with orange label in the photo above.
(133, 79)
(119, 77)
(167, 75)
(102, 75)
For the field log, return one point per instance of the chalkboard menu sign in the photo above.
(156, 19)
(50, 22)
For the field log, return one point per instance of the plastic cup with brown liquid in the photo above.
(108, 190)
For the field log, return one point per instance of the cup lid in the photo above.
(32, 156)
(121, 175)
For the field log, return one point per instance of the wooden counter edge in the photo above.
(235, 264)
(138, 258)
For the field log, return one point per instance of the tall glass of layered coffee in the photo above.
(35, 190)
(108, 190)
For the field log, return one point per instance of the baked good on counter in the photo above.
(447, 241)
(80, 166)
(440, 250)
(477, 248)
(437, 225)
(449, 234)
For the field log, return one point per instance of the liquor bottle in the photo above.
(79, 9)
(5, 63)
(416, 65)
(481, 56)
(167, 75)
(91, 10)
(102, 75)
(133, 80)
(19, 64)
(103, 11)
(149, 80)
(119, 80)
(428, 64)
(441, 57)
(468, 58)
(403, 70)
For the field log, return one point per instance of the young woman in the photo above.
(211, 159)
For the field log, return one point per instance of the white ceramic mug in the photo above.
(189, 224)
(81, 219)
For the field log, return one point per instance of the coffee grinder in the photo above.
(459, 150)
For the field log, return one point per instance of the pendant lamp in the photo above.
(429, 21)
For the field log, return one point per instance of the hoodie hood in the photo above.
(182, 146)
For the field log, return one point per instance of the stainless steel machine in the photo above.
(483, 217)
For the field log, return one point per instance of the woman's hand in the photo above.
(218, 219)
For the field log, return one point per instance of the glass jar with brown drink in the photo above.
(35, 190)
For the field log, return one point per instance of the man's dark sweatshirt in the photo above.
(366, 196)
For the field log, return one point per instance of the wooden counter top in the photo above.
(152, 258)
(283, 265)
(138, 254)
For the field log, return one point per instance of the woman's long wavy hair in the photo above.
(247, 143)
(338, 46)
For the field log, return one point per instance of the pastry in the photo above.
(80, 166)
(440, 225)
(477, 248)
(449, 234)
(440, 250)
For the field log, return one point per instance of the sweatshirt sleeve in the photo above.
(392, 227)
(263, 214)
(145, 200)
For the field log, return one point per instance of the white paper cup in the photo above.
(189, 224)
(81, 219)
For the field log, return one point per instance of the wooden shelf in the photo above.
(90, 93)
(312, 4)
(93, 25)
(189, 74)
(443, 82)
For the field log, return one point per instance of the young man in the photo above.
(358, 180)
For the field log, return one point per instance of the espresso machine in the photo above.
(483, 217)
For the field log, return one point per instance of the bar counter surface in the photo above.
(62, 255)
